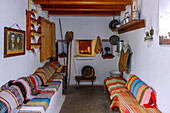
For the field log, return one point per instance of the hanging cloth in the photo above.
(123, 60)
(98, 46)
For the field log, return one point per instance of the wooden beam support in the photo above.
(81, 13)
(68, 9)
(131, 9)
(92, 2)
(85, 6)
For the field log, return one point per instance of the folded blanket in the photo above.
(114, 85)
(35, 105)
(127, 104)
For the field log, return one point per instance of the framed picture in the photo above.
(14, 42)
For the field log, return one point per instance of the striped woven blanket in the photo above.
(127, 104)
(114, 85)
(35, 105)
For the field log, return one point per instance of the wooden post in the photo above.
(70, 64)
(66, 65)
(29, 5)
(131, 9)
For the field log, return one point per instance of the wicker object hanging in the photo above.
(88, 72)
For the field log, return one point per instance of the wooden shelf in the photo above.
(31, 32)
(35, 45)
(130, 26)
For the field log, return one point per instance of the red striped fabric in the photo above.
(127, 104)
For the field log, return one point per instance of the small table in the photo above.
(81, 78)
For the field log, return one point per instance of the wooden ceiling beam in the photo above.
(92, 2)
(71, 9)
(85, 6)
(86, 13)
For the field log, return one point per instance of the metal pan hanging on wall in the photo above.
(114, 39)
(88, 72)
(113, 25)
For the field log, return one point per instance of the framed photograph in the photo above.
(14, 42)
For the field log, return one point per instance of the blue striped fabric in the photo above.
(56, 82)
(137, 87)
(3, 107)
(38, 102)
(41, 99)
(134, 85)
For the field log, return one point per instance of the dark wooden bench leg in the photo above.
(78, 82)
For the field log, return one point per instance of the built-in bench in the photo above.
(131, 96)
(40, 92)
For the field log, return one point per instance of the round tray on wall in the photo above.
(114, 39)
(88, 72)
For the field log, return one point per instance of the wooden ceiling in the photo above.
(84, 7)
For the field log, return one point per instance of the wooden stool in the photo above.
(81, 78)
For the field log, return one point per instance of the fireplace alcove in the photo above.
(84, 48)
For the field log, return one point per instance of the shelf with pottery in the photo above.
(131, 21)
(130, 26)
(33, 21)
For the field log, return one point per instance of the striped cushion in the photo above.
(32, 84)
(37, 79)
(7, 85)
(39, 88)
(56, 64)
(22, 89)
(50, 68)
(27, 88)
(143, 93)
(42, 73)
(48, 72)
(114, 85)
(9, 100)
(36, 88)
(15, 90)
(127, 104)
(130, 81)
(58, 76)
(3, 107)
(59, 70)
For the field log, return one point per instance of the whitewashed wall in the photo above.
(14, 11)
(88, 28)
(150, 60)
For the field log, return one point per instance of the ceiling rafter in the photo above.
(68, 9)
(84, 7)
(84, 2)
(81, 13)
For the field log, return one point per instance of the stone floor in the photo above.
(85, 99)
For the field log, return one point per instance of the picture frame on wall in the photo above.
(14, 42)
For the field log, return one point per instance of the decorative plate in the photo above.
(88, 72)
(114, 39)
